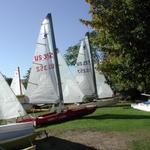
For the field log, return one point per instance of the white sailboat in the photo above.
(42, 86)
(143, 106)
(43, 82)
(19, 90)
(16, 84)
(90, 81)
(10, 109)
(84, 74)
(46, 86)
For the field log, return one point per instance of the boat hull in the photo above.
(141, 106)
(62, 116)
(16, 135)
(102, 102)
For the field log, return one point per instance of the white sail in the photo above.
(42, 85)
(103, 89)
(16, 84)
(10, 107)
(84, 73)
(71, 91)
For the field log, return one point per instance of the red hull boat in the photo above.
(59, 117)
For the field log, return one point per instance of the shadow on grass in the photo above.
(116, 116)
(55, 143)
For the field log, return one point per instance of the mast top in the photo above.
(87, 34)
(49, 15)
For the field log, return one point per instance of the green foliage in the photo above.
(72, 52)
(9, 80)
(123, 26)
(87, 99)
(26, 78)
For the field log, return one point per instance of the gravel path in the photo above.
(88, 140)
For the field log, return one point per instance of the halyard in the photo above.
(109, 128)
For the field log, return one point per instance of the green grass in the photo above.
(119, 118)
(141, 145)
(122, 119)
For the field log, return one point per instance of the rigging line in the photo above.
(41, 44)
(37, 63)
(32, 83)
(44, 23)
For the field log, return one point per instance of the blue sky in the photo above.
(20, 22)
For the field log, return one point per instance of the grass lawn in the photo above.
(120, 119)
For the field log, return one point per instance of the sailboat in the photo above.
(143, 106)
(45, 83)
(10, 109)
(16, 84)
(91, 82)
(19, 89)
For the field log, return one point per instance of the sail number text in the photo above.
(85, 70)
(86, 62)
(44, 67)
(43, 57)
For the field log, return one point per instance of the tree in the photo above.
(72, 52)
(124, 29)
(26, 78)
(8, 80)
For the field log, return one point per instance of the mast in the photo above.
(92, 63)
(56, 59)
(19, 80)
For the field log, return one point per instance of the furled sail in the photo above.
(16, 84)
(10, 107)
(43, 85)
